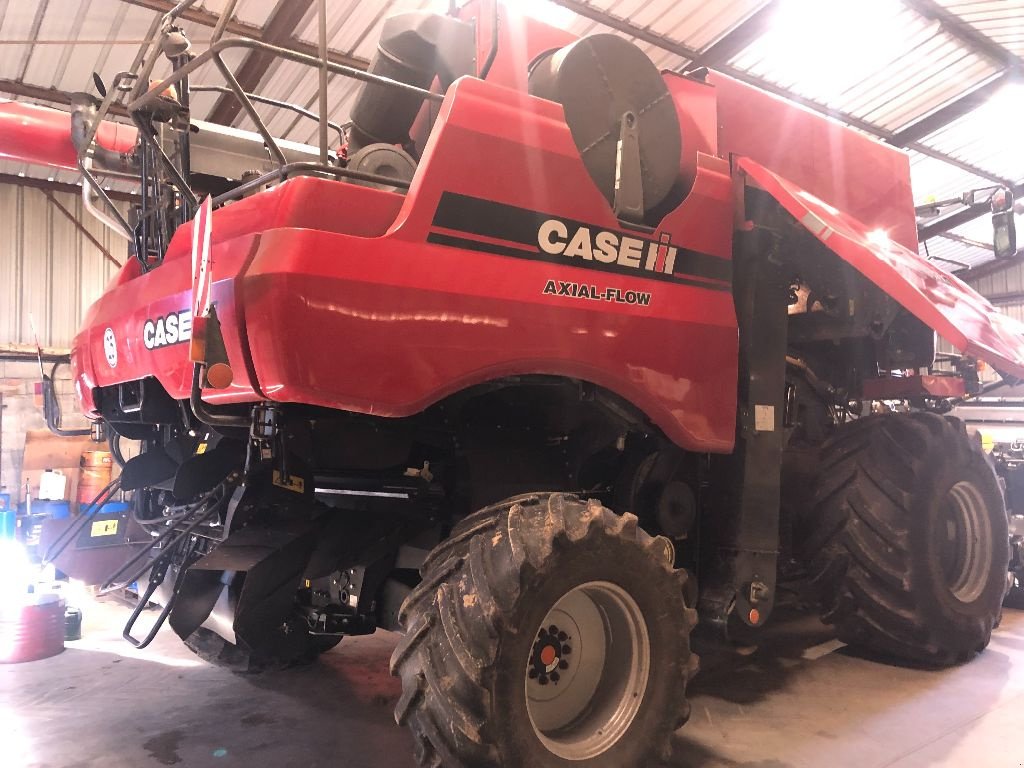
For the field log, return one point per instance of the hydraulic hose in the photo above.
(51, 407)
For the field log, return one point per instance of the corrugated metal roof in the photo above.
(999, 20)
(353, 28)
(935, 180)
(255, 12)
(695, 24)
(875, 59)
(990, 136)
(878, 61)
(953, 255)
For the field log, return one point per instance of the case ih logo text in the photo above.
(174, 328)
(553, 237)
(486, 226)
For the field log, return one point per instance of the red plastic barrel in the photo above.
(32, 630)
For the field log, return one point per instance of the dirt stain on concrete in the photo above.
(257, 718)
(164, 747)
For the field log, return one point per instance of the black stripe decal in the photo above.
(438, 238)
(487, 218)
(503, 250)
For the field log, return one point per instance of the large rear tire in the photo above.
(547, 632)
(908, 538)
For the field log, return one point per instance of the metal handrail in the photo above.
(259, 99)
(144, 97)
(220, 46)
(305, 169)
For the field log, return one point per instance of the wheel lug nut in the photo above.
(533, 674)
(563, 664)
(543, 679)
(555, 677)
(566, 650)
(562, 636)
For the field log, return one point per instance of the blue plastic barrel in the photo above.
(46, 508)
(8, 523)
(58, 509)
(114, 507)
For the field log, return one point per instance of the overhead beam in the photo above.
(964, 166)
(954, 110)
(236, 28)
(284, 20)
(197, 16)
(1011, 64)
(990, 268)
(967, 241)
(739, 38)
(584, 9)
(954, 25)
(52, 95)
(60, 186)
(647, 35)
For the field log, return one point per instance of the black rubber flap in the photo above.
(202, 472)
(152, 469)
(597, 80)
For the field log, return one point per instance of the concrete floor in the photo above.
(800, 701)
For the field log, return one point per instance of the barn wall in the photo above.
(21, 411)
(49, 271)
(1004, 288)
(49, 275)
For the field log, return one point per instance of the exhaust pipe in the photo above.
(106, 156)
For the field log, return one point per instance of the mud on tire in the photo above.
(477, 638)
(908, 538)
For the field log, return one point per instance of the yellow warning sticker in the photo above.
(294, 483)
(200, 449)
(104, 528)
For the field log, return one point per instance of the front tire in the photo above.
(908, 541)
(547, 632)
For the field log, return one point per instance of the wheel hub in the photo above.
(587, 670)
(965, 542)
(550, 658)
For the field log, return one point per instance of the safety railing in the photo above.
(144, 98)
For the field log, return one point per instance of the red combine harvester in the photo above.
(555, 354)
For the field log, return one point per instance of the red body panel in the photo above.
(859, 175)
(348, 316)
(352, 298)
(696, 108)
(942, 302)
(34, 134)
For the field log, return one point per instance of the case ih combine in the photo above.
(555, 355)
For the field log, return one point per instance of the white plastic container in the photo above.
(53, 485)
